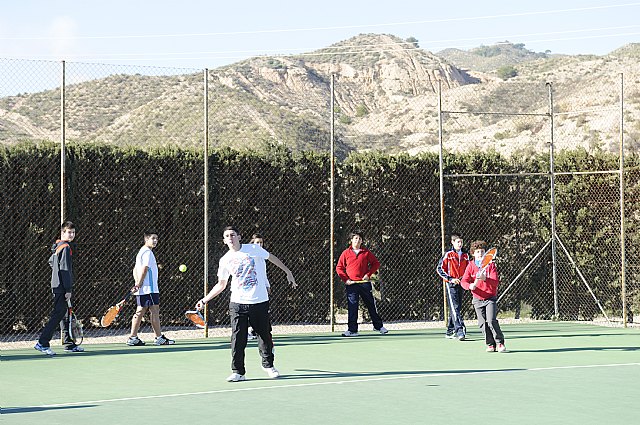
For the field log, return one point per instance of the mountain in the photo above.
(490, 58)
(385, 99)
(631, 50)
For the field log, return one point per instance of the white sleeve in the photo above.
(223, 272)
(145, 258)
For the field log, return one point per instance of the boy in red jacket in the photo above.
(358, 264)
(483, 284)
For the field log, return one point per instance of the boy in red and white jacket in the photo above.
(483, 284)
(451, 268)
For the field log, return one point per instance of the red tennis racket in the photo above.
(488, 258)
(113, 312)
(196, 318)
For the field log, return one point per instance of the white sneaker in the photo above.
(349, 333)
(383, 330)
(235, 377)
(272, 372)
(251, 336)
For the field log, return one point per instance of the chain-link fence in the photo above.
(137, 163)
(557, 223)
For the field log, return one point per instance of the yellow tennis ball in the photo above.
(182, 268)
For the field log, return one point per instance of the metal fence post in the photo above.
(63, 168)
(622, 226)
(442, 226)
(553, 206)
(332, 205)
(206, 197)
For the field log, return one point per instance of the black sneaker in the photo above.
(73, 348)
(163, 340)
(134, 341)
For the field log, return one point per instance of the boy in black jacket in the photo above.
(61, 286)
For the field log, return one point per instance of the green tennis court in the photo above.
(560, 373)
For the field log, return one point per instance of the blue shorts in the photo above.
(147, 300)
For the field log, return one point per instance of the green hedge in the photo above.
(115, 194)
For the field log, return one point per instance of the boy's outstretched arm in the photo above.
(275, 260)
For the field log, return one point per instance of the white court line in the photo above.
(350, 381)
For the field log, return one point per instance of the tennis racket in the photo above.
(488, 258)
(113, 312)
(196, 318)
(75, 328)
(372, 279)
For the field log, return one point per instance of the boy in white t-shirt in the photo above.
(147, 292)
(249, 304)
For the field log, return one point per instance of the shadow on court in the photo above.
(328, 374)
(564, 335)
(32, 409)
(575, 349)
(97, 350)
(180, 346)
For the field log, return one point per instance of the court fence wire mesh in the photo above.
(135, 162)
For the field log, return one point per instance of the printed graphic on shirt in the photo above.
(244, 272)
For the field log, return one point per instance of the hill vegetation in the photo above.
(386, 99)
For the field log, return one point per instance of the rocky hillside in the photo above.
(385, 99)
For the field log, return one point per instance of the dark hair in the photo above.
(149, 232)
(234, 228)
(356, 233)
(67, 225)
(256, 236)
(478, 245)
(455, 235)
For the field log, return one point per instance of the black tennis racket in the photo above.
(75, 327)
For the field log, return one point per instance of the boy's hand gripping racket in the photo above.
(75, 328)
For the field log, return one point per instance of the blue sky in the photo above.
(208, 34)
